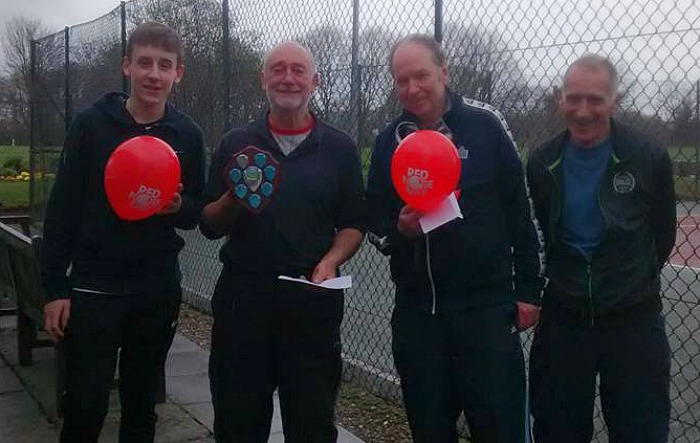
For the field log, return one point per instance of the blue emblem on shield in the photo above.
(252, 175)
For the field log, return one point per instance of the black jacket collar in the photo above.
(625, 144)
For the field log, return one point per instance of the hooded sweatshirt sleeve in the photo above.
(62, 217)
(192, 182)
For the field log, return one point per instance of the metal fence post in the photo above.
(122, 8)
(32, 123)
(355, 84)
(438, 21)
(225, 55)
(67, 96)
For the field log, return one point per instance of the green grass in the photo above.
(365, 158)
(8, 152)
(687, 188)
(684, 154)
(14, 194)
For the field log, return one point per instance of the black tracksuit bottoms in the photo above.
(138, 329)
(270, 334)
(633, 363)
(468, 361)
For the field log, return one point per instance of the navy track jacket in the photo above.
(494, 254)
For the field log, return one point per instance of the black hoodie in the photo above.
(108, 254)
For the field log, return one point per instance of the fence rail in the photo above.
(510, 53)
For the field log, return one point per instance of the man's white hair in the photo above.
(312, 61)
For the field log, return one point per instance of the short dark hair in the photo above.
(424, 40)
(158, 35)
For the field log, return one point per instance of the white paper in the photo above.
(447, 211)
(342, 282)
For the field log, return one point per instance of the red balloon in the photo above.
(141, 177)
(425, 169)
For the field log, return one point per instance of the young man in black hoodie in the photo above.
(123, 289)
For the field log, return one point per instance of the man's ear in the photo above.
(618, 99)
(556, 91)
(179, 72)
(126, 65)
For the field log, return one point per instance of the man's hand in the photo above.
(175, 204)
(408, 224)
(56, 315)
(228, 202)
(220, 215)
(324, 270)
(528, 315)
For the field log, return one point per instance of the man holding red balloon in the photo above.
(287, 191)
(131, 171)
(464, 289)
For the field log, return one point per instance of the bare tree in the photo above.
(676, 104)
(16, 46)
(247, 97)
(11, 128)
(331, 49)
(482, 66)
(377, 103)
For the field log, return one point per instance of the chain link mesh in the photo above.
(48, 117)
(509, 53)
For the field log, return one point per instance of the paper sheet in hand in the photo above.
(447, 211)
(342, 282)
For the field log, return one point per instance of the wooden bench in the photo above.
(20, 281)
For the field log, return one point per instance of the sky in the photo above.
(656, 41)
(55, 13)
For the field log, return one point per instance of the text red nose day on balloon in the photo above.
(425, 169)
(141, 177)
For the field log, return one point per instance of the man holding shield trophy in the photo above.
(131, 171)
(464, 289)
(287, 191)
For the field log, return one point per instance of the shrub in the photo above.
(14, 163)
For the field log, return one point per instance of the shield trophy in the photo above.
(252, 176)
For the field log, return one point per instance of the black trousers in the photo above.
(138, 329)
(456, 362)
(271, 334)
(633, 362)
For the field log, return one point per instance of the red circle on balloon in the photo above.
(425, 169)
(141, 177)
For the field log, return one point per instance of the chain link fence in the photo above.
(509, 53)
